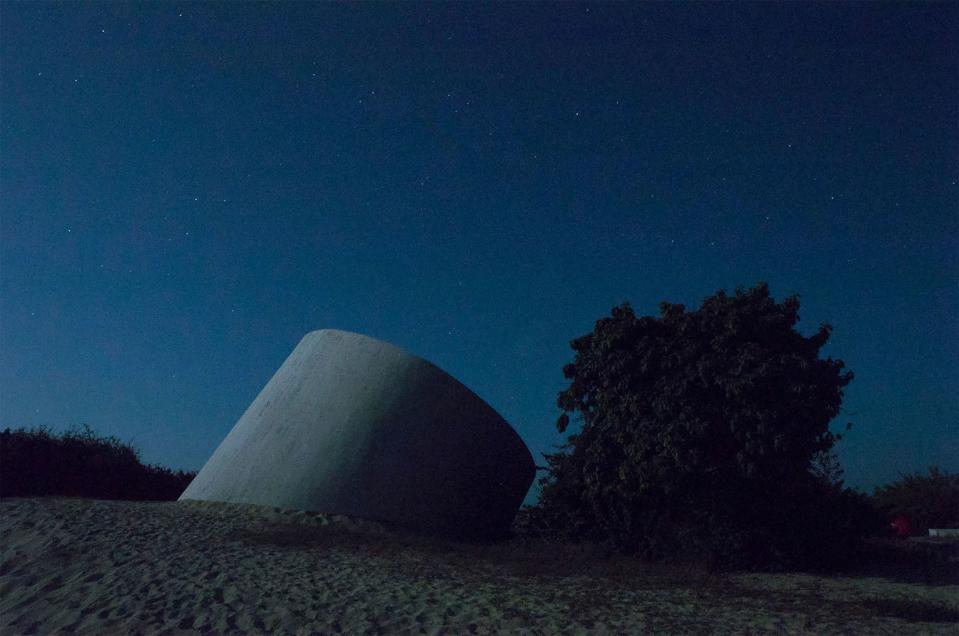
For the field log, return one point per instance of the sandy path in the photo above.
(97, 567)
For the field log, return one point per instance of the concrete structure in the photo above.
(352, 425)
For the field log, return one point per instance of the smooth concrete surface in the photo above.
(353, 425)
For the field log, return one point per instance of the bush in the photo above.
(929, 501)
(81, 464)
(705, 435)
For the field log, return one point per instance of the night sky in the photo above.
(188, 189)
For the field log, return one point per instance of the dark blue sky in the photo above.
(187, 190)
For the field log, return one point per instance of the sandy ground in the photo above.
(110, 567)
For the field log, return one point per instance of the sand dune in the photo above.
(111, 567)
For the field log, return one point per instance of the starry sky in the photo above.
(188, 189)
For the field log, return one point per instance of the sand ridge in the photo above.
(95, 567)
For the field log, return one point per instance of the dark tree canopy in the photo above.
(694, 423)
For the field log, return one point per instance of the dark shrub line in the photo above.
(80, 463)
(927, 500)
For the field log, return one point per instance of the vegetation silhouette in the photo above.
(929, 501)
(704, 435)
(79, 463)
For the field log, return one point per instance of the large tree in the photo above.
(697, 430)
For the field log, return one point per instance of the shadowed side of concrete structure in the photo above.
(356, 426)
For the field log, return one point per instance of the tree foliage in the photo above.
(700, 431)
(930, 501)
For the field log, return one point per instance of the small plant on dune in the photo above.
(80, 463)
(703, 435)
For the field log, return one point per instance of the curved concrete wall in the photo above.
(352, 425)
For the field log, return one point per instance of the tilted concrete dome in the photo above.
(356, 426)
